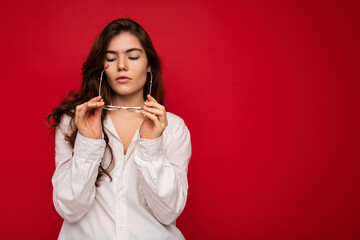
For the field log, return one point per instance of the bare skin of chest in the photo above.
(126, 124)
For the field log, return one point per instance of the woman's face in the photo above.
(128, 64)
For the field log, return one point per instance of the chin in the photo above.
(124, 92)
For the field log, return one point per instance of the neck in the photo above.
(132, 100)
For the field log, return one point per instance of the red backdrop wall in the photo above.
(268, 89)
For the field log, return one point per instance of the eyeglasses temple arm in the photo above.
(151, 77)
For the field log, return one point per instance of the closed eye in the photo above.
(110, 60)
(133, 58)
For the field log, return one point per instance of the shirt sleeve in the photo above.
(162, 169)
(76, 172)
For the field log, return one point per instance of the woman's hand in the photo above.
(155, 120)
(89, 126)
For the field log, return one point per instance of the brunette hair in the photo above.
(91, 70)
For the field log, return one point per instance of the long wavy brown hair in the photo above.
(91, 70)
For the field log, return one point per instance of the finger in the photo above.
(98, 110)
(151, 98)
(82, 112)
(77, 111)
(155, 111)
(95, 104)
(83, 109)
(95, 99)
(153, 118)
(155, 105)
(162, 115)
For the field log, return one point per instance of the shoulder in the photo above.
(176, 135)
(66, 125)
(174, 121)
(173, 118)
(175, 124)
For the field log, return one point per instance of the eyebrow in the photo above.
(127, 51)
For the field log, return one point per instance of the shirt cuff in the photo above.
(89, 149)
(149, 149)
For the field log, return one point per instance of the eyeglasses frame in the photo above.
(111, 107)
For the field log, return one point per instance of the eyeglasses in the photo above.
(130, 109)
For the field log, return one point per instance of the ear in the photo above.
(148, 69)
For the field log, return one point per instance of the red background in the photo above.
(268, 89)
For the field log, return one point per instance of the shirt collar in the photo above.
(108, 125)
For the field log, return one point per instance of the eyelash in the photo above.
(131, 58)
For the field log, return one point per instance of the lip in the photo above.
(122, 79)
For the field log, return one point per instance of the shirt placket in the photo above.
(120, 201)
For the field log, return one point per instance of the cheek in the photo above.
(111, 70)
(141, 78)
(141, 70)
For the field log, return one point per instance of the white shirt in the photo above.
(146, 195)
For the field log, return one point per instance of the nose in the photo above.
(122, 65)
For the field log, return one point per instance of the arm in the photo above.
(76, 172)
(162, 170)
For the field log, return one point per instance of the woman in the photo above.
(120, 174)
